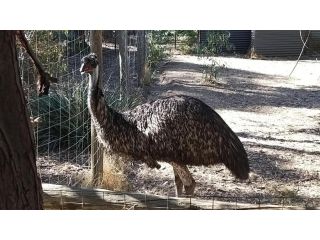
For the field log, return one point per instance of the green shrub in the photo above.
(162, 36)
(50, 49)
(188, 41)
(157, 53)
(217, 42)
(65, 119)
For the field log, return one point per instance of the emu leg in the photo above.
(151, 163)
(184, 176)
(178, 182)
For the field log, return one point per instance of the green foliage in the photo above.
(188, 41)
(65, 122)
(160, 42)
(52, 49)
(217, 42)
(162, 36)
(157, 47)
(157, 53)
(48, 45)
(65, 119)
(211, 71)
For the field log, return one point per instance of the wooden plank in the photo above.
(63, 197)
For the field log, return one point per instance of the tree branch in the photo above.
(44, 78)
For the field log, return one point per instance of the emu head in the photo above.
(89, 63)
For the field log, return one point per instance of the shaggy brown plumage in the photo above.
(180, 130)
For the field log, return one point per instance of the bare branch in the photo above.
(44, 78)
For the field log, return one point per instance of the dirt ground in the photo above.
(276, 117)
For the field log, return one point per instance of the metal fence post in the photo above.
(212, 203)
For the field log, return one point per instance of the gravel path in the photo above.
(276, 117)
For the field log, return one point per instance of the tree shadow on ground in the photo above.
(238, 89)
(280, 199)
(269, 138)
(250, 91)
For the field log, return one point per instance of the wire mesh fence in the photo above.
(102, 199)
(62, 131)
(61, 120)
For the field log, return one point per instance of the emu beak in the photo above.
(82, 69)
(86, 68)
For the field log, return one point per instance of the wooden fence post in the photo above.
(123, 61)
(141, 56)
(96, 147)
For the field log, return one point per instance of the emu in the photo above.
(180, 130)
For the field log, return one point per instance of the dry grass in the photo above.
(114, 175)
(283, 191)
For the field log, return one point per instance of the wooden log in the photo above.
(63, 197)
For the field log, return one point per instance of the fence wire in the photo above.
(102, 199)
(62, 135)
(62, 132)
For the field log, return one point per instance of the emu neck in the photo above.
(114, 131)
(94, 79)
(96, 102)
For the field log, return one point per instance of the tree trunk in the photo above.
(20, 186)
(141, 58)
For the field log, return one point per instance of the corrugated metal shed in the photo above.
(313, 43)
(203, 35)
(241, 40)
(315, 35)
(277, 43)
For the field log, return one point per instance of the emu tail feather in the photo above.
(235, 157)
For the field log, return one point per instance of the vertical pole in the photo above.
(141, 56)
(212, 203)
(198, 32)
(124, 201)
(123, 62)
(115, 41)
(96, 148)
(61, 200)
(175, 39)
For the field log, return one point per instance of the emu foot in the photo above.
(153, 164)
